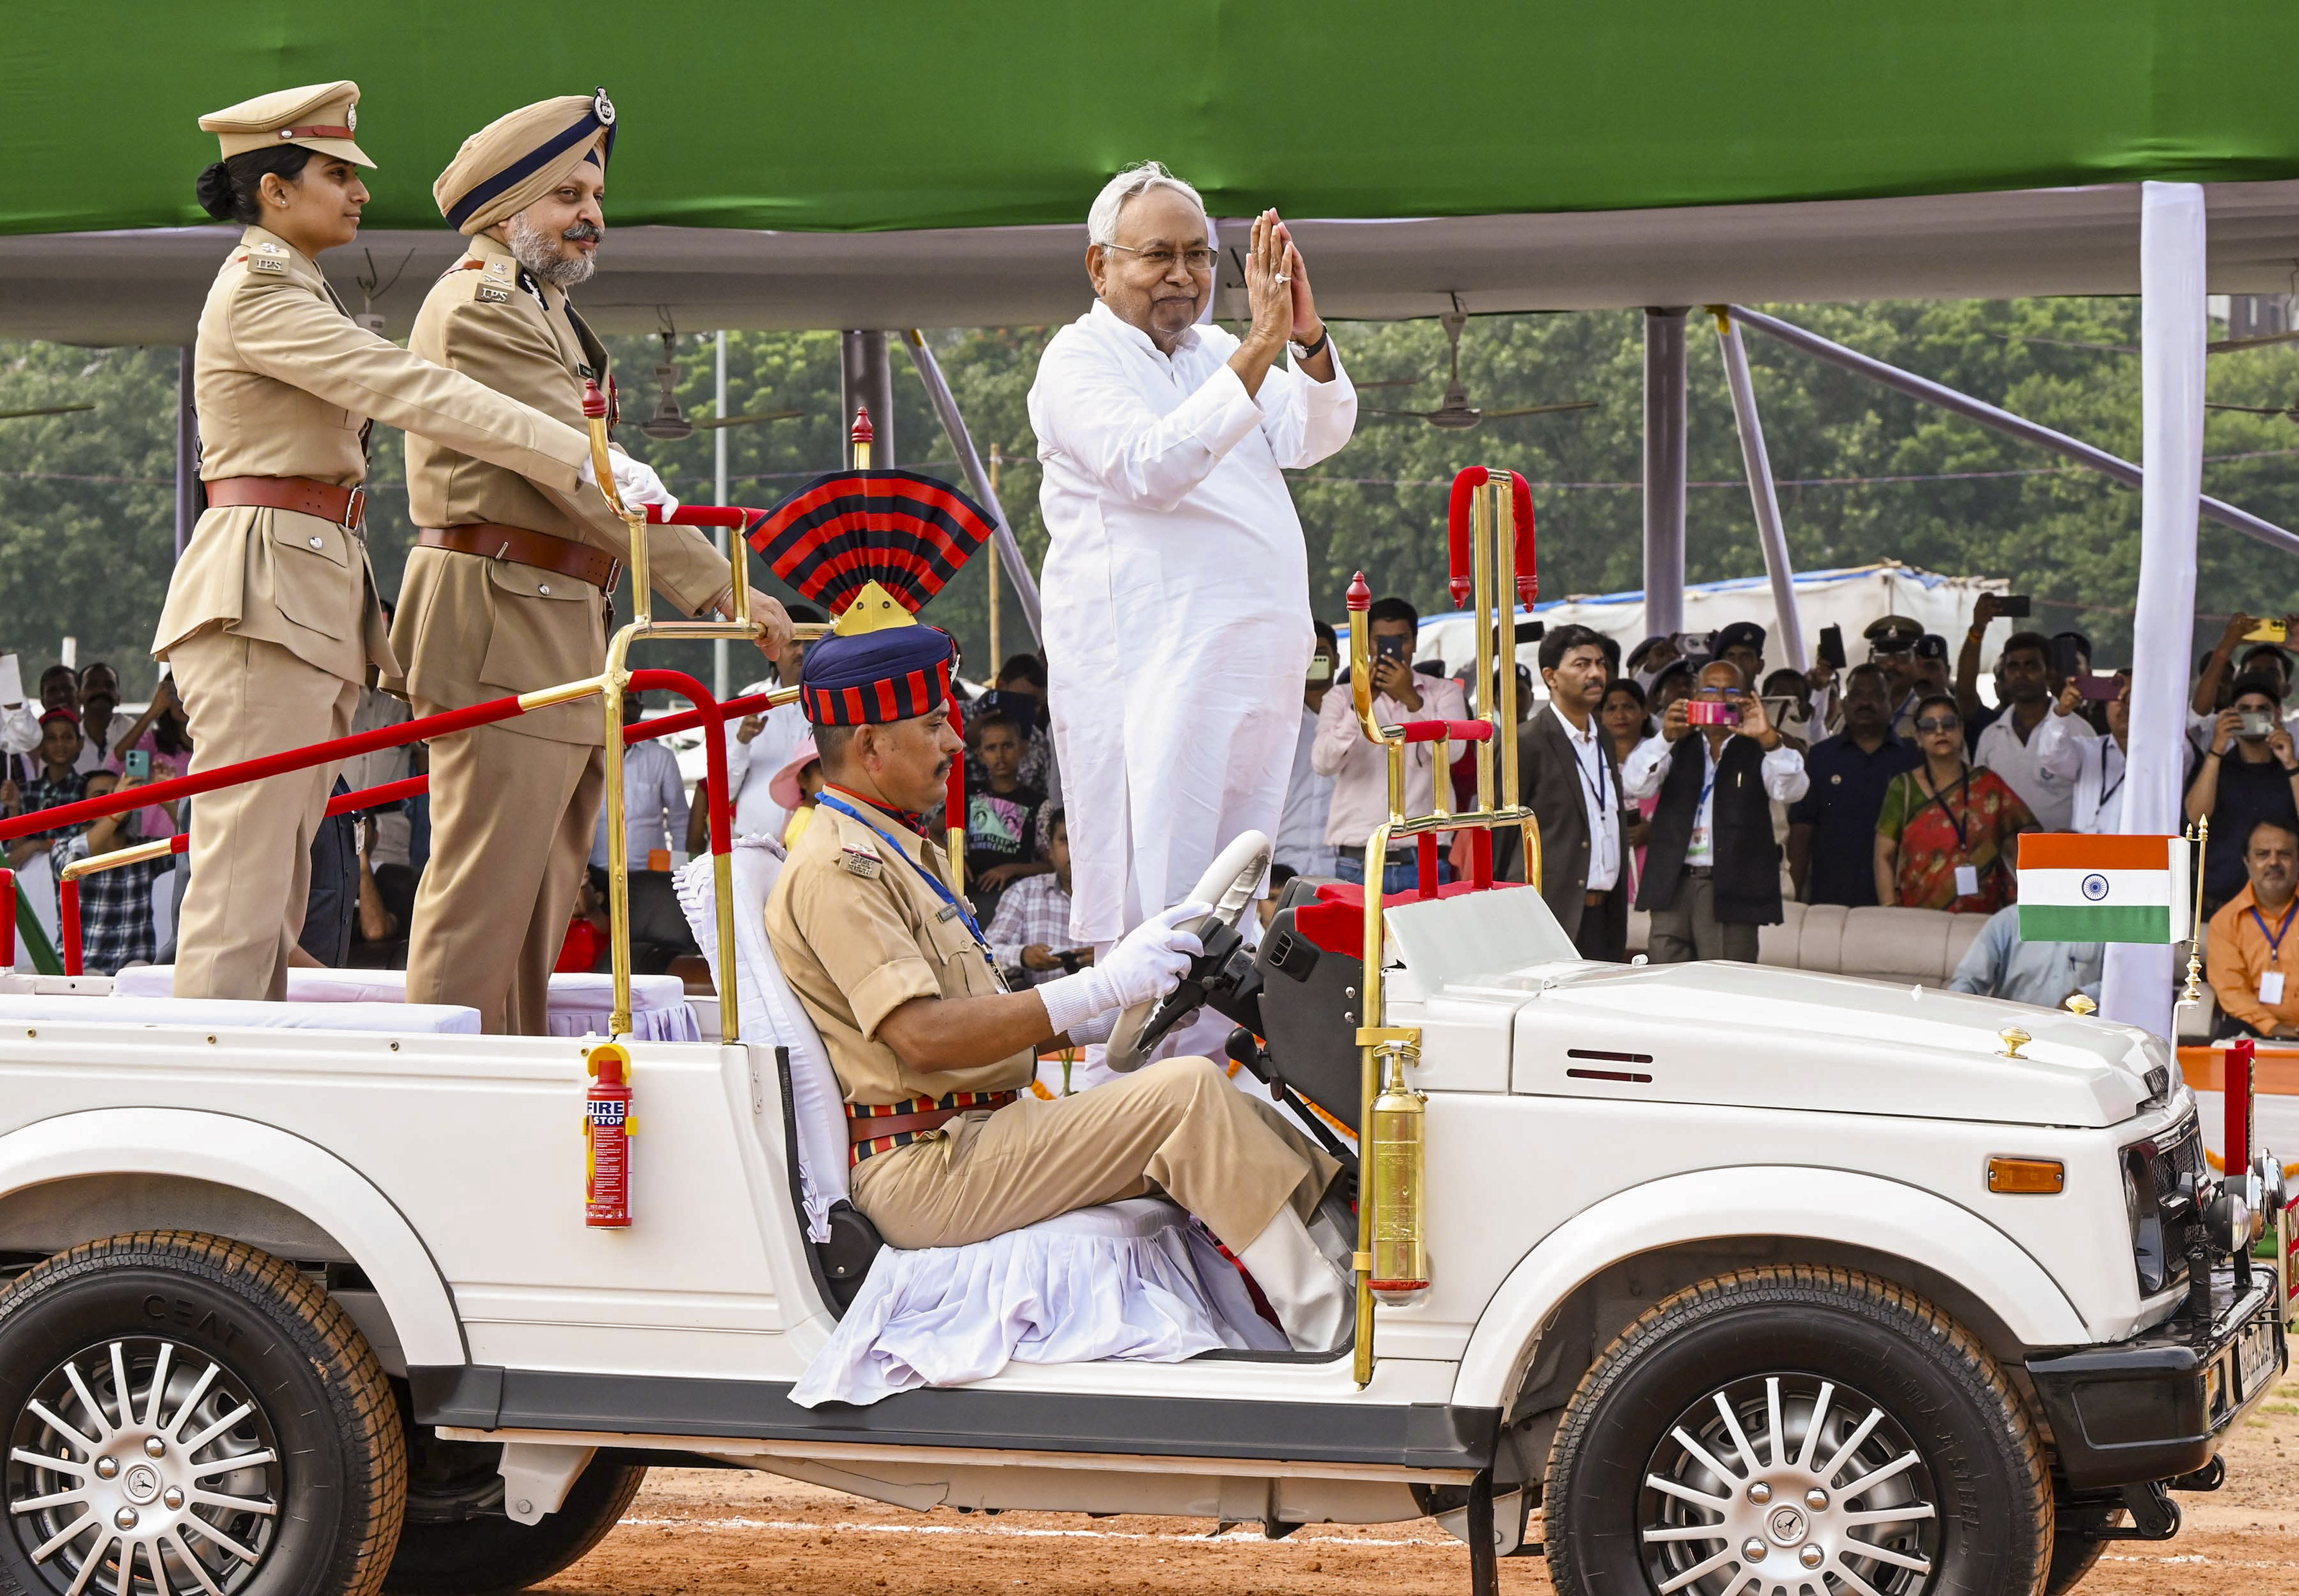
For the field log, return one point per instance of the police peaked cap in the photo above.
(896, 674)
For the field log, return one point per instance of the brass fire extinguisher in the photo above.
(607, 1126)
(1400, 1258)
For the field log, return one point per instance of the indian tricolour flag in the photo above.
(2077, 887)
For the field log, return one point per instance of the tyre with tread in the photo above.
(1807, 1429)
(2073, 1554)
(186, 1413)
(459, 1542)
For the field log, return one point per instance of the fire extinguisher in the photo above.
(607, 1126)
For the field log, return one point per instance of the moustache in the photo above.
(584, 232)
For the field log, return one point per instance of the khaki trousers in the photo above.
(1176, 1126)
(251, 847)
(513, 820)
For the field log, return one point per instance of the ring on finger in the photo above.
(1284, 276)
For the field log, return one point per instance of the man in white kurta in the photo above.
(1176, 585)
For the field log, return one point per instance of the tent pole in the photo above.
(1762, 494)
(188, 497)
(2172, 328)
(867, 376)
(2002, 421)
(969, 460)
(719, 671)
(1665, 444)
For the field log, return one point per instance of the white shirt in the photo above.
(654, 805)
(1177, 606)
(2050, 798)
(1301, 842)
(92, 758)
(2092, 766)
(1600, 799)
(1359, 766)
(1782, 773)
(751, 767)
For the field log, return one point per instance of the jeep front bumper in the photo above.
(2155, 1407)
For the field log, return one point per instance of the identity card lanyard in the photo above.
(949, 898)
(2270, 982)
(1967, 874)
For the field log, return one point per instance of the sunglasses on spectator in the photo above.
(1938, 723)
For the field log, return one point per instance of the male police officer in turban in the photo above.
(505, 591)
(935, 1055)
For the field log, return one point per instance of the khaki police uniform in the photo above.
(514, 807)
(271, 623)
(857, 933)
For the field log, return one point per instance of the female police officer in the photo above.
(272, 623)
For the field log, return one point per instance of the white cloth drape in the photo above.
(1177, 601)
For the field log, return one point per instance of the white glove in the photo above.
(637, 484)
(1143, 968)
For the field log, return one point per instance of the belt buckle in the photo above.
(355, 509)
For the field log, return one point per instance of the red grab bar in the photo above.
(1456, 519)
(1456, 730)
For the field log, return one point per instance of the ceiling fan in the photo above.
(1456, 414)
(670, 422)
(52, 409)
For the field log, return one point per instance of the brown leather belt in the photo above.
(870, 1130)
(346, 507)
(491, 540)
(874, 1128)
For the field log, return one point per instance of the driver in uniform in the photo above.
(935, 1055)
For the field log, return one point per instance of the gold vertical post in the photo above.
(1480, 604)
(1369, 1018)
(1503, 526)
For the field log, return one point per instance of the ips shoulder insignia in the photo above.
(496, 267)
(860, 862)
(270, 264)
(489, 294)
(265, 247)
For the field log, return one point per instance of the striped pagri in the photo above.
(905, 531)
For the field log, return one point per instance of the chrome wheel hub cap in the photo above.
(1788, 1484)
(143, 1467)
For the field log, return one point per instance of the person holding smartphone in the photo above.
(2092, 766)
(2249, 773)
(1359, 769)
(1711, 871)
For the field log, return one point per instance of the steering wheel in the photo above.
(1228, 885)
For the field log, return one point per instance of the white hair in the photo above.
(1134, 181)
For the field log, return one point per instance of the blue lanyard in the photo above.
(2274, 937)
(829, 801)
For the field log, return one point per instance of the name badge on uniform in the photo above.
(946, 914)
(859, 861)
(2270, 988)
(1967, 881)
(267, 263)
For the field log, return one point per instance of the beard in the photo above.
(538, 251)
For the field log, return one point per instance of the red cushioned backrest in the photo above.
(1335, 921)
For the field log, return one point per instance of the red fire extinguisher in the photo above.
(607, 1126)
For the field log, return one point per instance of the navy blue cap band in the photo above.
(526, 166)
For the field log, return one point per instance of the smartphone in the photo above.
(2254, 723)
(2266, 631)
(1321, 671)
(2013, 606)
(1832, 646)
(1389, 648)
(1780, 711)
(1689, 644)
(2099, 690)
(138, 765)
(1074, 959)
(2067, 659)
(1712, 712)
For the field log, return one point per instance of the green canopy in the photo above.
(909, 115)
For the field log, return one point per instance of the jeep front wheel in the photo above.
(1796, 1429)
(185, 1414)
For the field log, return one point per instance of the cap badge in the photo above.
(351, 118)
(602, 108)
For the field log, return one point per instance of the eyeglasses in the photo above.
(1938, 723)
(1162, 260)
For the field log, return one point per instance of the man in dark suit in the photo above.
(1712, 868)
(1566, 775)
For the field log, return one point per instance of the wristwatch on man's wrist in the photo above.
(1310, 351)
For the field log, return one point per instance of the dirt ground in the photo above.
(701, 1532)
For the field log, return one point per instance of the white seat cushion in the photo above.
(1131, 1280)
(580, 1004)
(213, 1013)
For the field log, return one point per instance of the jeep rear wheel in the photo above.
(186, 1414)
(1797, 1430)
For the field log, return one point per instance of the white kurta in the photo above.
(1176, 600)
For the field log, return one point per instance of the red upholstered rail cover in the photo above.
(1335, 922)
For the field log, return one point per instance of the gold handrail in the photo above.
(1493, 573)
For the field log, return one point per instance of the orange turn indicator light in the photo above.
(2026, 1177)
